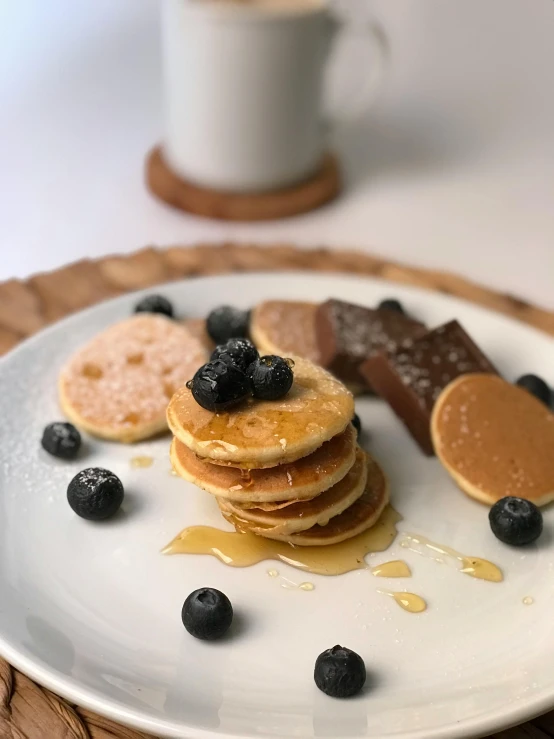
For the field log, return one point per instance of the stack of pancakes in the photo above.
(290, 469)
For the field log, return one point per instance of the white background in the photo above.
(454, 169)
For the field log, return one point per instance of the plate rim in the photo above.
(278, 274)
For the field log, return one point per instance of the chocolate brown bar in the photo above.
(413, 376)
(348, 334)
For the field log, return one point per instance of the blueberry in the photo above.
(339, 672)
(95, 493)
(357, 423)
(271, 377)
(219, 385)
(536, 386)
(391, 304)
(61, 440)
(226, 323)
(155, 304)
(241, 352)
(515, 521)
(207, 613)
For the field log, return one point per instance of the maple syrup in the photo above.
(476, 567)
(395, 568)
(316, 408)
(92, 371)
(142, 461)
(246, 478)
(245, 549)
(408, 601)
(304, 478)
(291, 585)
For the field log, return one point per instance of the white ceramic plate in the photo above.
(93, 610)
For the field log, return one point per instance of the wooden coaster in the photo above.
(162, 182)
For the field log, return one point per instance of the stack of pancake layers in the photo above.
(291, 469)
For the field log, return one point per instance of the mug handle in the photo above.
(370, 74)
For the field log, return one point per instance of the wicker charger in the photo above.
(28, 711)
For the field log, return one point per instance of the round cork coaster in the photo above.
(29, 711)
(319, 189)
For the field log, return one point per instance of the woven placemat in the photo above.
(28, 711)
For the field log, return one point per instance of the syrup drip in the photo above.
(290, 585)
(476, 567)
(395, 568)
(528, 601)
(246, 478)
(245, 549)
(142, 461)
(408, 601)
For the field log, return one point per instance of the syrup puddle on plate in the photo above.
(476, 567)
(244, 549)
(289, 584)
(395, 568)
(408, 601)
(142, 461)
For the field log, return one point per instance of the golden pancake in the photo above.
(285, 327)
(275, 487)
(305, 514)
(118, 385)
(495, 439)
(258, 434)
(197, 327)
(360, 516)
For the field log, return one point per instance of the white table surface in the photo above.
(453, 169)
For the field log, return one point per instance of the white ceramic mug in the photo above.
(245, 89)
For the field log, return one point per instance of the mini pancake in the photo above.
(285, 327)
(360, 516)
(118, 385)
(197, 327)
(259, 434)
(495, 439)
(305, 514)
(275, 487)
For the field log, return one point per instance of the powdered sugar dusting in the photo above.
(436, 359)
(360, 331)
(93, 477)
(126, 375)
